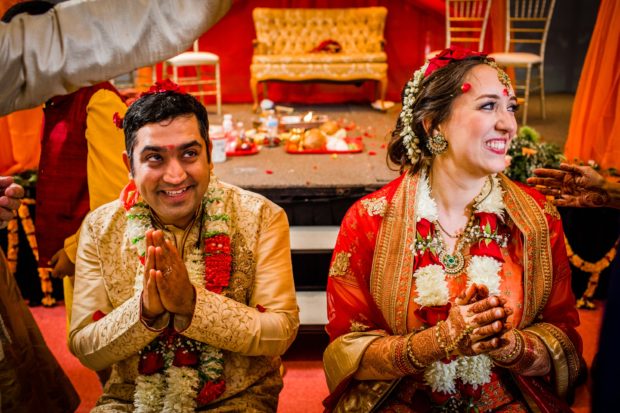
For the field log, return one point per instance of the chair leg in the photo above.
(528, 75)
(382, 89)
(265, 94)
(218, 89)
(201, 96)
(253, 88)
(175, 74)
(542, 90)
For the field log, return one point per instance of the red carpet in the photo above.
(304, 381)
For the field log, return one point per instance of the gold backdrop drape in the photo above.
(594, 131)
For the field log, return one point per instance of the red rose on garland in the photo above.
(150, 363)
(487, 247)
(426, 258)
(184, 358)
(210, 391)
(432, 315)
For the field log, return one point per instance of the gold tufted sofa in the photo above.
(285, 38)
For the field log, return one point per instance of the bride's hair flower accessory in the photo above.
(413, 87)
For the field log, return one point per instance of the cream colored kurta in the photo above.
(83, 42)
(252, 340)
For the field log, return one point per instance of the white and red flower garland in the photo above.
(178, 374)
(431, 282)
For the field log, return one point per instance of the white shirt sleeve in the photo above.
(83, 42)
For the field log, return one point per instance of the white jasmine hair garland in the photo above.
(431, 279)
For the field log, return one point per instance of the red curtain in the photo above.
(411, 26)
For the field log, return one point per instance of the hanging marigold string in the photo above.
(23, 213)
(595, 269)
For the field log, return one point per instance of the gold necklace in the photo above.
(454, 262)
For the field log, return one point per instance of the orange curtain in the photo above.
(7, 4)
(594, 131)
(20, 140)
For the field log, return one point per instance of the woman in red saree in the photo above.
(449, 288)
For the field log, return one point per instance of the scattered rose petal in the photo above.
(383, 146)
(268, 171)
(260, 308)
(371, 153)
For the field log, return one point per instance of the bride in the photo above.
(449, 288)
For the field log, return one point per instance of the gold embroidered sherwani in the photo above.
(252, 340)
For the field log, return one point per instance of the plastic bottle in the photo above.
(229, 133)
(272, 129)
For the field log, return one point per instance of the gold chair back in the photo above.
(527, 22)
(466, 22)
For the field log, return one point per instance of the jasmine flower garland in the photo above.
(431, 279)
(178, 374)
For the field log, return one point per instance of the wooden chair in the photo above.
(198, 60)
(466, 24)
(527, 24)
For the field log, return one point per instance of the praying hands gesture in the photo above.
(475, 321)
(575, 186)
(166, 285)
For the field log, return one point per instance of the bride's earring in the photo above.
(437, 144)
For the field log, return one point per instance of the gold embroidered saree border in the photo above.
(393, 261)
(563, 355)
(343, 356)
(537, 265)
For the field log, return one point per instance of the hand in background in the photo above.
(10, 194)
(61, 264)
(572, 186)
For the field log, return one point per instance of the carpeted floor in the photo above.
(304, 381)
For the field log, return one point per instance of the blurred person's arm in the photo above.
(80, 43)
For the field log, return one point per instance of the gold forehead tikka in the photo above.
(501, 75)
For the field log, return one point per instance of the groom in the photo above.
(184, 286)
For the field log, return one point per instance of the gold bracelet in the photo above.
(414, 361)
(439, 338)
(400, 356)
(516, 351)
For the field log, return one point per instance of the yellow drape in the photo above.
(594, 131)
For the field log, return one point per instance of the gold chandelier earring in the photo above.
(437, 144)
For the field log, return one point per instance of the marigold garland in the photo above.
(595, 269)
(23, 213)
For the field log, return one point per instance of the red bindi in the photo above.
(505, 92)
(465, 87)
(169, 147)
